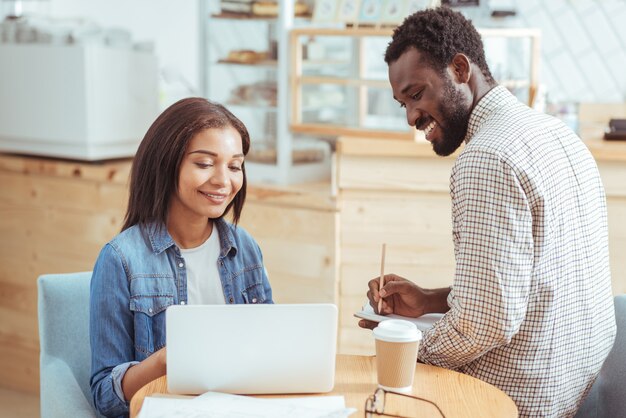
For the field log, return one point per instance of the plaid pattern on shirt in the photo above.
(531, 309)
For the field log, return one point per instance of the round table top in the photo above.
(456, 394)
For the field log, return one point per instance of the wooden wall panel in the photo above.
(394, 173)
(398, 194)
(593, 118)
(357, 341)
(299, 250)
(355, 278)
(55, 216)
(613, 174)
(19, 363)
(49, 223)
(617, 242)
(402, 201)
(419, 247)
(58, 192)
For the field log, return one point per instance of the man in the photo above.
(530, 309)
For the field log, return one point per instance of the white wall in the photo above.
(173, 26)
(583, 50)
(583, 47)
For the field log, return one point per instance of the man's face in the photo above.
(434, 102)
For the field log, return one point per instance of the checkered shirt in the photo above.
(531, 308)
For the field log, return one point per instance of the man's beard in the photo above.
(456, 117)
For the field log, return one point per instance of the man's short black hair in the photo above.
(439, 34)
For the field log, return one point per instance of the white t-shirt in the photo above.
(204, 286)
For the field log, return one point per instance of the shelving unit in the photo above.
(257, 91)
(331, 67)
(356, 79)
(505, 65)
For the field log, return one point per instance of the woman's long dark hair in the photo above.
(156, 166)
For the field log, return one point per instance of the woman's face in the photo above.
(210, 174)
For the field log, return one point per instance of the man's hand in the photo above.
(403, 297)
(400, 296)
(364, 323)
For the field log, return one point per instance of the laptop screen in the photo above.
(251, 349)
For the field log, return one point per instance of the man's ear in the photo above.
(461, 68)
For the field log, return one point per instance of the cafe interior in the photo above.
(334, 171)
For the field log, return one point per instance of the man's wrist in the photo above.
(437, 300)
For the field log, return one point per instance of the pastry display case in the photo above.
(340, 86)
(245, 65)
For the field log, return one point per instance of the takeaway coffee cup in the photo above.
(397, 342)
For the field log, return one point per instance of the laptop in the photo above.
(251, 349)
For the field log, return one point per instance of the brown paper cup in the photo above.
(395, 363)
(396, 355)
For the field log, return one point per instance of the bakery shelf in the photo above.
(345, 81)
(260, 106)
(241, 16)
(323, 62)
(226, 77)
(263, 63)
(245, 16)
(515, 84)
(357, 79)
(298, 156)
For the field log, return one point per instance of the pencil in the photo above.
(381, 281)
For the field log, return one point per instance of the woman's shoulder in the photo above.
(129, 234)
(130, 239)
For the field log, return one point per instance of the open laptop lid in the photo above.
(251, 349)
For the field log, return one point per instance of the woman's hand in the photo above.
(162, 358)
(140, 374)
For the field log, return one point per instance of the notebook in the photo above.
(251, 349)
(423, 323)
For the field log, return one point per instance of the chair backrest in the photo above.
(607, 397)
(64, 324)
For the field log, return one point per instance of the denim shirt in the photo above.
(136, 277)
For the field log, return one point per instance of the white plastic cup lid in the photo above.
(397, 331)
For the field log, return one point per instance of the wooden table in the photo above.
(456, 394)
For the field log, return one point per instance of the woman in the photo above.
(175, 246)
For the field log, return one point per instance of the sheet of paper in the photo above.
(220, 405)
(423, 323)
(162, 406)
(315, 402)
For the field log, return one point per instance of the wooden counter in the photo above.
(397, 192)
(55, 216)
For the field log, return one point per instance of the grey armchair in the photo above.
(65, 361)
(607, 398)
